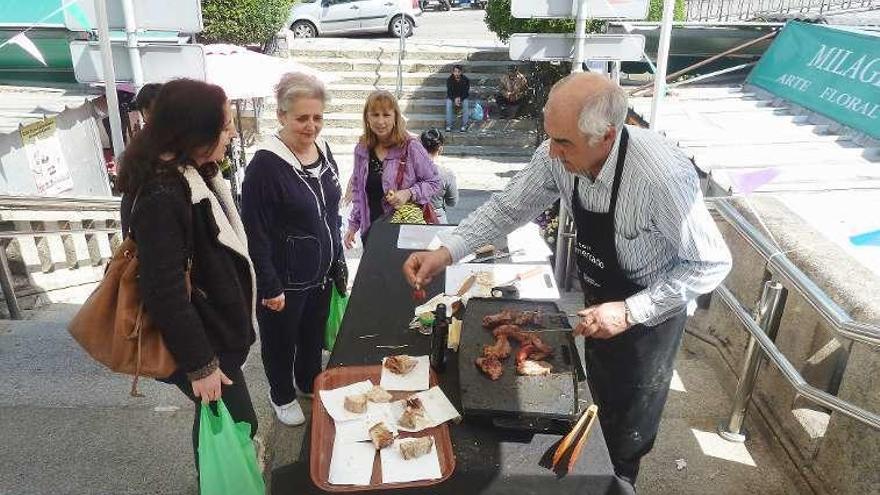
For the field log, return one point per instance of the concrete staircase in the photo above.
(374, 66)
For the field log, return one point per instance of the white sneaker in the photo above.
(289, 414)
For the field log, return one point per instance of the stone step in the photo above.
(413, 120)
(431, 65)
(515, 140)
(362, 91)
(407, 104)
(390, 52)
(343, 152)
(389, 78)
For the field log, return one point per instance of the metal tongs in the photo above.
(577, 436)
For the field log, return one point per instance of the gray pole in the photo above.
(131, 42)
(768, 315)
(662, 61)
(109, 77)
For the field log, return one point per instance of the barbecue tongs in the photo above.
(577, 436)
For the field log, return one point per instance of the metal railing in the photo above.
(744, 10)
(764, 324)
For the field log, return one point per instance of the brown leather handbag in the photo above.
(113, 327)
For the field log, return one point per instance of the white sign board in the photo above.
(183, 16)
(543, 47)
(160, 62)
(596, 9)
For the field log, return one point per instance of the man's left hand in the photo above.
(603, 321)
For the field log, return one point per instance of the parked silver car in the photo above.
(311, 18)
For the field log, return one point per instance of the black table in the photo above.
(488, 459)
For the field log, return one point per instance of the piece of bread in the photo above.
(381, 436)
(356, 403)
(416, 447)
(378, 394)
(401, 364)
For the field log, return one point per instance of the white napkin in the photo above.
(395, 469)
(352, 463)
(438, 409)
(415, 380)
(334, 400)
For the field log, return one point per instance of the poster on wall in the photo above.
(43, 150)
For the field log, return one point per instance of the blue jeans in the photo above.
(450, 114)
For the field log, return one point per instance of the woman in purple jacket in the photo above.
(377, 158)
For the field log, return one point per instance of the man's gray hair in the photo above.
(296, 85)
(602, 110)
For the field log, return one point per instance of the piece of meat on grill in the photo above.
(507, 331)
(529, 361)
(529, 367)
(500, 350)
(512, 317)
(490, 367)
(502, 318)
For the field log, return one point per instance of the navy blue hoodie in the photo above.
(291, 218)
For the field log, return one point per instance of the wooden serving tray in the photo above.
(324, 432)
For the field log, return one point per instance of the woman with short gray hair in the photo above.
(290, 208)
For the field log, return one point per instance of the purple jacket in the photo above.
(421, 178)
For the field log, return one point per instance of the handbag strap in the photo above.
(401, 169)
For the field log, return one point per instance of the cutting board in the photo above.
(552, 397)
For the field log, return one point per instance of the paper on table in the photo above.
(358, 430)
(334, 400)
(539, 286)
(422, 236)
(438, 409)
(352, 463)
(396, 469)
(528, 242)
(415, 380)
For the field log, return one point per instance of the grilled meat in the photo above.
(499, 350)
(416, 447)
(490, 367)
(529, 367)
(356, 403)
(413, 416)
(401, 364)
(512, 317)
(381, 436)
(378, 394)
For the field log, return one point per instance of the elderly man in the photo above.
(646, 246)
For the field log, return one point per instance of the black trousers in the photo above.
(291, 341)
(629, 378)
(235, 396)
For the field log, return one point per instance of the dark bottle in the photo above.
(439, 339)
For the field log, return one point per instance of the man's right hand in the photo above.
(420, 268)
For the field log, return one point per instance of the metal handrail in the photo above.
(782, 266)
(788, 370)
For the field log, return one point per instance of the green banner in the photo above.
(832, 71)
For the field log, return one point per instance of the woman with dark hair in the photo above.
(195, 276)
(383, 149)
(433, 141)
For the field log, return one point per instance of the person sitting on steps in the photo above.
(513, 92)
(458, 88)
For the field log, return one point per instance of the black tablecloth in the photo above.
(488, 459)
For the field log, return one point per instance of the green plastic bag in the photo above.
(338, 303)
(227, 459)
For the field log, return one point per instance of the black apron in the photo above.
(628, 374)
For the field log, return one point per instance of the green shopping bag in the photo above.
(227, 459)
(338, 303)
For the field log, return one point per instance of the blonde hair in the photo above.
(296, 85)
(384, 100)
